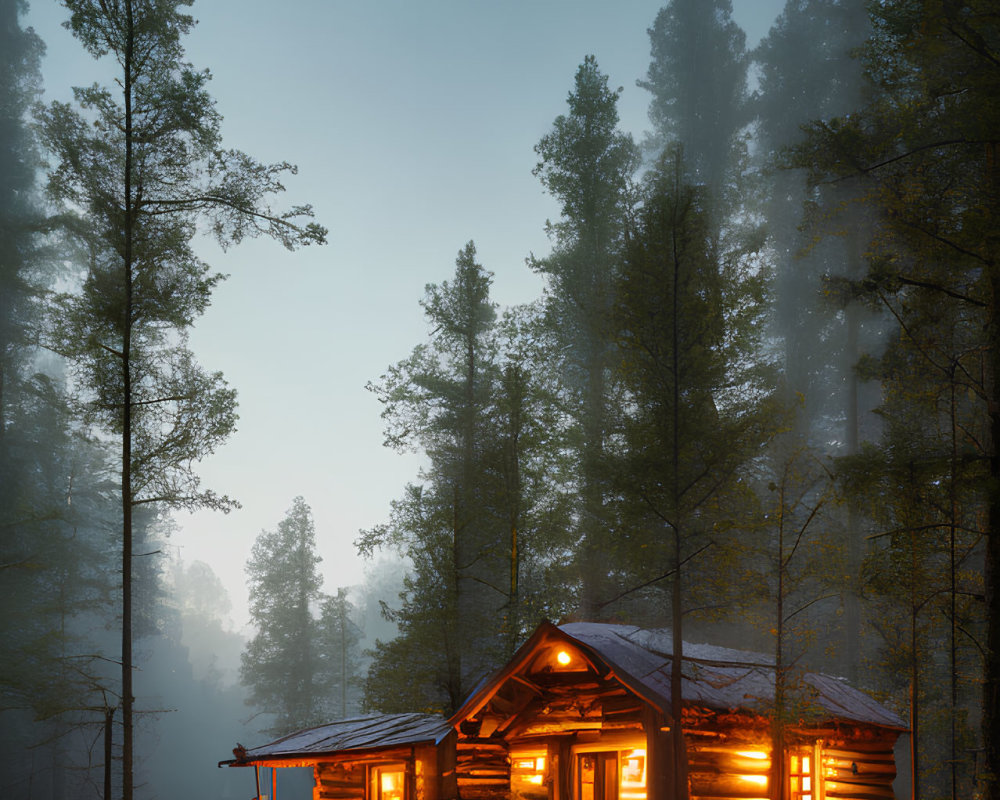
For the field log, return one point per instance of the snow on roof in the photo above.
(373, 731)
(718, 677)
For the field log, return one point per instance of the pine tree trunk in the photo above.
(991, 671)
(777, 777)
(127, 700)
(914, 681)
(855, 544)
(676, 694)
(514, 389)
(343, 665)
(953, 585)
(593, 425)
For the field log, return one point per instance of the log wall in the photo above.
(483, 770)
(348, 779)
(717, 772)
(856, 770)
(859, 770)
(339, 781)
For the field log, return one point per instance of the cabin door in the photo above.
(597, 776)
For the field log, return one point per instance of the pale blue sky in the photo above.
(412, 124)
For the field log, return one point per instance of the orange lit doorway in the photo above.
(597, 776)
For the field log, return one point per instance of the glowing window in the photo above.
(800, 776)
(527, 775)
(388, 783)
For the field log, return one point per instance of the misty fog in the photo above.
(681, 316)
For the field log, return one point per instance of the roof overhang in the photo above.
(548, 636)
(356, 738)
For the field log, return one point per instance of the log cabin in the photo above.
(582, 712)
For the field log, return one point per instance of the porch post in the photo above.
(659, 756)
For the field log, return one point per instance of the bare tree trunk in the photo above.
(109, 718)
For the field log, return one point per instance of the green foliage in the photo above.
(699, 404)
(485, 525)
(280, 663)
(158, 147)
(338, 649)
(438, 398)
(697, 76)
(920, 159)
(202, 607)
(529, 470)
(56, 577)
(420, 669)
(808, 72)
(21, 265)
(137, 168)
(587, 164)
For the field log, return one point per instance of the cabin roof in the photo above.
(717, 678)
(369, 732)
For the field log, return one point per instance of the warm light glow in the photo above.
(390, 782)
(527, 774)
(563, 658)
(632, 785)
(800, 777)
(530, 763)
(761, 761)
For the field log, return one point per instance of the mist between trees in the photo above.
(755, 403)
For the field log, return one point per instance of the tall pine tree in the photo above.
(436, 400)
(138, 167)
(697, 76)
(55, 576)
(697, 410)
(587, 164)
(281, 663)
(923, 157)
